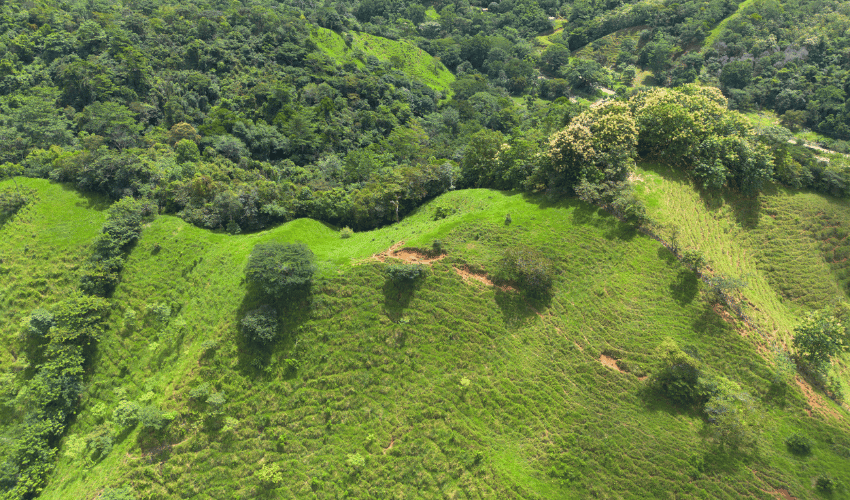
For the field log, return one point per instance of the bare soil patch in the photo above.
(468, 275)
(610, 363)
(409, 255)
(781, 494)
(815, 400)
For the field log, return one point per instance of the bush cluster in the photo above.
(122, 228)
(280, 270)
(527, 268)
(405, 274)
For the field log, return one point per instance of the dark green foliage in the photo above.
(405, 274)
(151, 417)
(12, 201)
(528, 269)
(280, 269)
(798, 444)
(99, 444)
(41, 321)
(122, 228)
(678, 376)
(259, 325)
(126, 414)
(825, 483)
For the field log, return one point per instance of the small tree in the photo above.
(405, 274)
(528, 269)
(679, 375)
(733, 416)
(280, 270)
(818, 338)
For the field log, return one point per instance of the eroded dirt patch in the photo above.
(468, 275)
(409, 255)
(610, 363)
(815, 400)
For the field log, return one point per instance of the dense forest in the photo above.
(239, 116)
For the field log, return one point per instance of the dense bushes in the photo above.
(123, 227)
(731, 413)
(280, 270)
(12, 200)
(260, 325)
(818, 338)
(404, 274)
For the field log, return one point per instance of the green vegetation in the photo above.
(280, 270)
(253, 249)
(245, 415)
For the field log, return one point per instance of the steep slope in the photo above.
(41, 249)
(453, 388)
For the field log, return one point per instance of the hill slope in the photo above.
(454, 388)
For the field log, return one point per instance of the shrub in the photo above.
(280, 270)
(270, 474)
(260, 325)
(798, 445)
(216, 402)
(99, 444)
(679, 375)
(12, 200)
(355, 460)
(200, 392)
(825, 483)
(733, 415)
(152, 417)
(346, 233)
(818, 338)
(40, 322)
(405, 273)
(126, 414)
(528, 269)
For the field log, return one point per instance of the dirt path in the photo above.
(409, 255)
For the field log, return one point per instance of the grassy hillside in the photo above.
(404, 55)
(41, 249)
(453, 389)
(790, 247)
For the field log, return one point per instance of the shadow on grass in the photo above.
(92, 201)
(686, 286)
(253, 357)
(518, 307)
(585, 214)
(397, 296)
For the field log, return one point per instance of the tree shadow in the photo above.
(514, 306)
(686, 286)
(92, 201)
(710, 323)
(397, 296)
(747, 212)
(253, 357)
(667, 256)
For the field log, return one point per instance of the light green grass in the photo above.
(379, 365)
(715, 32)
(412, 60)
(41, 249)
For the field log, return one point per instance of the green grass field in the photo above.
(450, 389)
(409, 59)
